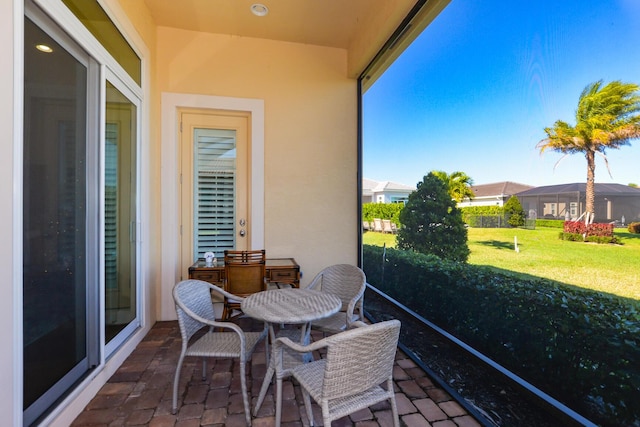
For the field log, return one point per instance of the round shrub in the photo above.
(431, 222)
(514, 211)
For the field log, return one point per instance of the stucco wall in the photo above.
(310, 133)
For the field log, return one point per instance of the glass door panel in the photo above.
(214, 191)
(54, 220)
(120, 212)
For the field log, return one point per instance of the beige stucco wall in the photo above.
(310, 133)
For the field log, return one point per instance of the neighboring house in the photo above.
(495, 194)
(116, 112)
(385, 191)
(613, 202)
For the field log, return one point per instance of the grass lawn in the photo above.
(613, 269)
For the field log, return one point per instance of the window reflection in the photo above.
(120, 205)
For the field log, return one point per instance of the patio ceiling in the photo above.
(362, 27)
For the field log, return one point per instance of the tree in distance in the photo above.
(514, 212)
(458, 184)
(431, 222)
(608, 116)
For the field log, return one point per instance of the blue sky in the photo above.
(477, 88)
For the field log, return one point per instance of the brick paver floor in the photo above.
(139, 393)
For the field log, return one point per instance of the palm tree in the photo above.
(458, 184)
(607, 117)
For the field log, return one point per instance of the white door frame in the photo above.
(169, 177)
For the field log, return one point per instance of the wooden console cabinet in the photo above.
(279, 270)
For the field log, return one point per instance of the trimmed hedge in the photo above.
(550, 223)
(383, 211)
(469, 213)
(571, 237)
(488, 221)
(634, 227)
(579, 346)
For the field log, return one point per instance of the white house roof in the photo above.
(371, 186)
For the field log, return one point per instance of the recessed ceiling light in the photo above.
(44, 48)
(259, 9)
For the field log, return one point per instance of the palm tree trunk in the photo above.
(590, 190)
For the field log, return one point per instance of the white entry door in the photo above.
(215, 189)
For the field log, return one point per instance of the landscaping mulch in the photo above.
(480, 388)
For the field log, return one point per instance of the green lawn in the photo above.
(608, 268)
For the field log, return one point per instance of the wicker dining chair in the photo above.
(351, 376)
(195, 311)
(348, 283)
(244, 274)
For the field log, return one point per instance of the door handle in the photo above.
(242, 233)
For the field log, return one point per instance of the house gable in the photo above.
(384, 191)
(493, 194)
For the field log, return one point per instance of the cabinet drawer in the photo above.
(285, 275)
(211, 276)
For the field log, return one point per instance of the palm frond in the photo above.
(606, 162)
(558, 162)
(607, 117)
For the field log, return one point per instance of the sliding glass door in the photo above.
(120, 204)
(57, 255)
(80, 213)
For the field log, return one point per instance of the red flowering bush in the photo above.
(600, 230)
(575, 227)
(595, 231)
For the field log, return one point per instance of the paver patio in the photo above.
(139, 393)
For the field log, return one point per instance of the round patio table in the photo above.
(291, 306)
(288, 306)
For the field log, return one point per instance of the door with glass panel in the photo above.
(60, 173)
(214, 184)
